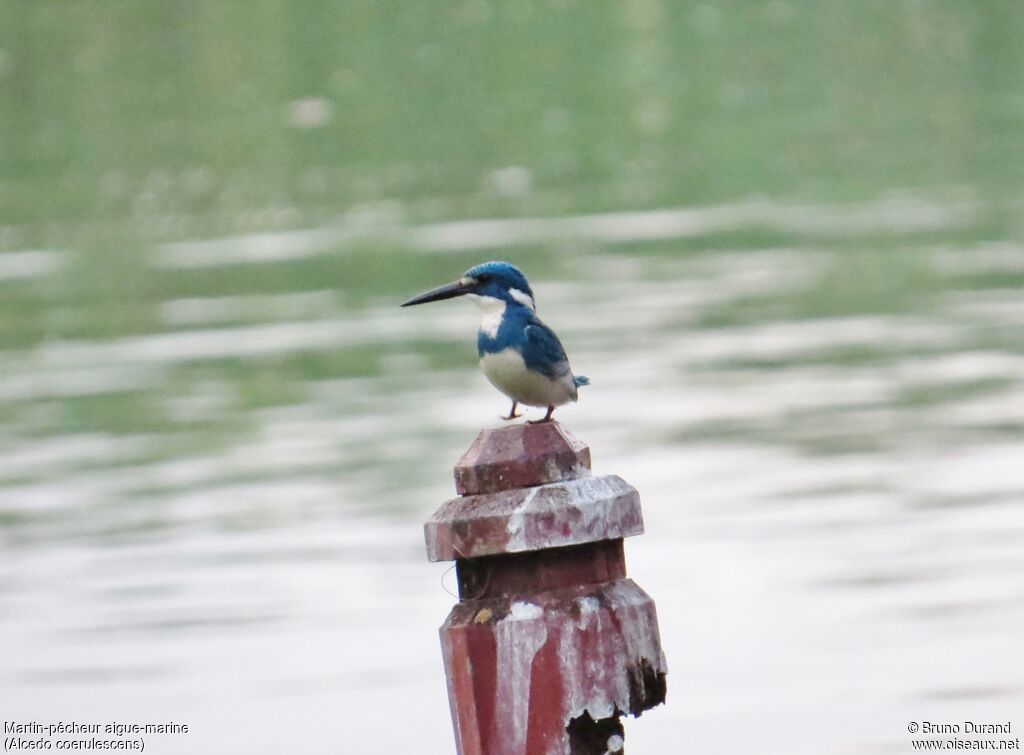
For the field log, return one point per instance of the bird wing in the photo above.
(543, 352)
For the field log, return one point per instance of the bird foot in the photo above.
(547, 417)
(511, 417)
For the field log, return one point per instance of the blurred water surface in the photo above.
(783, 239)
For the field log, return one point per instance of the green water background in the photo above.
(209, 211)
(124, 125)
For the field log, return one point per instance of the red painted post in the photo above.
(550, 642)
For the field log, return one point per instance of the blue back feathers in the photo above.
(542, 351)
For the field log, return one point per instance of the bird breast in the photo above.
(508, 373)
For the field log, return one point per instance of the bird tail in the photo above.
(580, 380)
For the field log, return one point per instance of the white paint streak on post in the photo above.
(562, 642)
(516, 526)
(520, 635)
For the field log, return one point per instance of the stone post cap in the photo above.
(520, 456)
(572, 512)
(529, 488)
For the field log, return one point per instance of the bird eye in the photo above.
(484, 278)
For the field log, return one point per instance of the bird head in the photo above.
(491, 282)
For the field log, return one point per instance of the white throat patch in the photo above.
(493, 309)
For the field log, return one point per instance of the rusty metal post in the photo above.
(550, 642)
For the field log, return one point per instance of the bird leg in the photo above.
(512, 412)
(547, 417)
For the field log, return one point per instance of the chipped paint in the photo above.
(518, 639)
(557, 514)
(516, 527)
(590, 644)
(562, 643)
(524, 611)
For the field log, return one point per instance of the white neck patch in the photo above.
(523, 298)
(494, 311)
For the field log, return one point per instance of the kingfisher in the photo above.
(519, 354)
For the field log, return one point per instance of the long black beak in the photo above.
(449, 291)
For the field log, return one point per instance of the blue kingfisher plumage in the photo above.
(519, 354)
